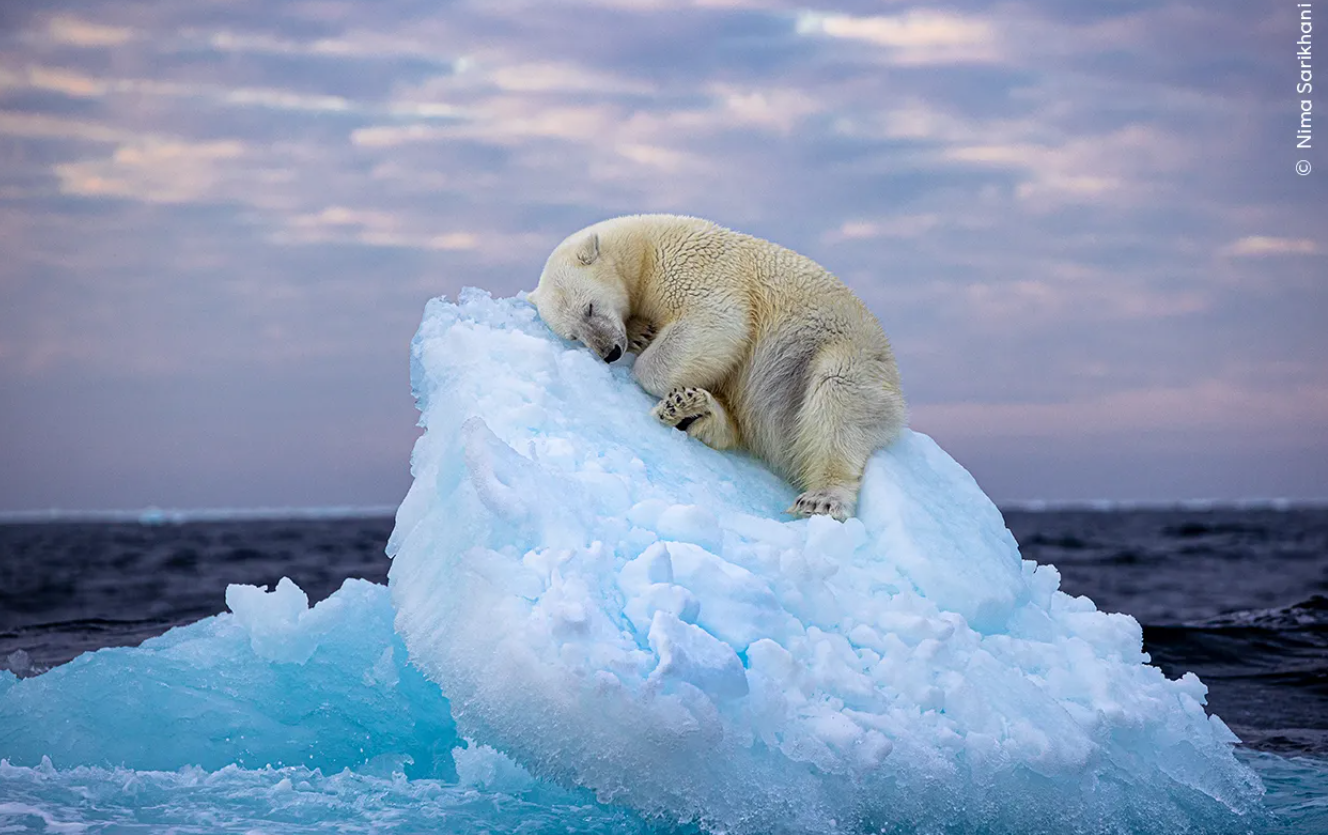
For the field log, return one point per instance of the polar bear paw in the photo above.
(640, 334)
(834, 502)
(684, 406)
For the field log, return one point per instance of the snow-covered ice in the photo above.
(616, 606)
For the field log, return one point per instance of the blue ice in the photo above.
(273, 717)
(274, 682)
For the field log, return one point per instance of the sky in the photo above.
(1080, 224)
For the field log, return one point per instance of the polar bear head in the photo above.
(582, 297)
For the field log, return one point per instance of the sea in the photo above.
(1237, 595)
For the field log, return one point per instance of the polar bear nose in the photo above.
(613, 354)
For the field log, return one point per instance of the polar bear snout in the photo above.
(608, 351)
(605, 337)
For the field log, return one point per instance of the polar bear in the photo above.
(749, 345)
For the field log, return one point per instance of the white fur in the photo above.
(747, 344)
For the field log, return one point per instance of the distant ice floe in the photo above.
(615, 606)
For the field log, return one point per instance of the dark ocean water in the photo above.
(1239, 597)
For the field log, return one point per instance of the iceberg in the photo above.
(615, 606)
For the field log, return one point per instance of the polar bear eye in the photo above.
(590, 310)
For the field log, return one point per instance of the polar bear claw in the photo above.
(640, 334)
(684, 406)
(830, 501)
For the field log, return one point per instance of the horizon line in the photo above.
(153, 515)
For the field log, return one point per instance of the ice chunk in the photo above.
(691, 654)
(280, 623)
(19, 662)
(612, 604)
(275, 683)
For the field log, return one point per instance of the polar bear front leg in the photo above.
(696, 352)
(700, 414)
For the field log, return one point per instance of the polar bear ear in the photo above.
(533, 297)
(588, 251)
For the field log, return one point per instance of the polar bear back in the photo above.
(793, 319)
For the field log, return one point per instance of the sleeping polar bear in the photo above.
(749, 345)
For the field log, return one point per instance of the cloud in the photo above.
(361, 44)
(1055, 300)
(897, 226)
(153, 171)
(915, 38)
(370, 227)
(778, 109)
(75, 31)
(1122, 166)
(554, 77)
(515, 119)
(1207, 405)
(44, 126)
(78, 85)
(390, 136)
(53, 79)
(1254, 246)
(655, 156)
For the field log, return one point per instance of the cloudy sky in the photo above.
(1080, 224)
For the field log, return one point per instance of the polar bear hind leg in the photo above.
(851, 409)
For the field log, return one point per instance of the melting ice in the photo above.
(606, 608)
